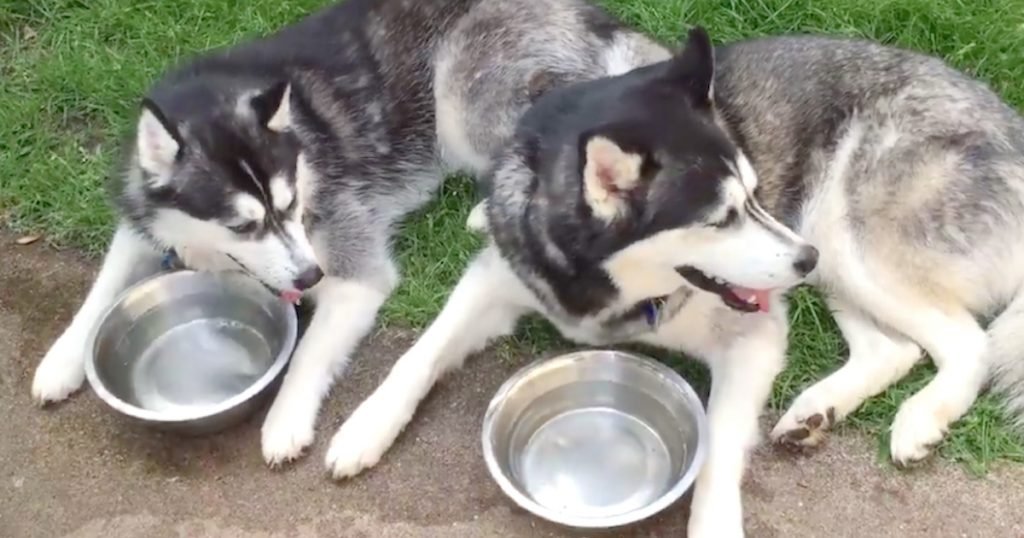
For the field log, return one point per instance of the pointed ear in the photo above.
(609, 174)
(158, 141)
(694, 67)
(272, 106)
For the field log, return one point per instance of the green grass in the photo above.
(71, 72)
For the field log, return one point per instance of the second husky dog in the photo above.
(293, 157)
(657, 207)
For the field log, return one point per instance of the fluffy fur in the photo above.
(906, 174)
(293, 157)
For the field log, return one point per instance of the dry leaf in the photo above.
(28, 239)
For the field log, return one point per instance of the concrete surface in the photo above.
(75, 470)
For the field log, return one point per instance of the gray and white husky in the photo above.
(293, 157)
(674, 205)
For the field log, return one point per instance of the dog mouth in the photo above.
(290, 295)
(735, 297)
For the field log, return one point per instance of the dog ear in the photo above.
(158, 142)
(272, 106)
(694, 67)
(610, 173)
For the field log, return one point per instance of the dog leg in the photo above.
(745, 352)
(950, 335)
(741, 384)
(62, 370)
(952, 338)
(877, 360)
(957, 346)
(345, 311)
(485, 304)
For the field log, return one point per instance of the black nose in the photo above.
(309, 278)
(807, 261)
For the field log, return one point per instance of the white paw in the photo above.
(286, 432)
(702, 528)
(916, 430)
(714, 518)
(364, 438)
(62, 370)
(806, 420)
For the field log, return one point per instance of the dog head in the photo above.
(663, 178)
(220, 177)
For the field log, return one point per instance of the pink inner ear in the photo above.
(157, 148)
(606, 175)
(158, 143)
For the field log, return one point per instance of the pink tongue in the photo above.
(760, 296)
(291, 296)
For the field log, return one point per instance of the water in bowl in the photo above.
(594, 449)
(199, 364)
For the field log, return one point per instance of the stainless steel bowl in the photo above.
(595, 439)
(191, 352)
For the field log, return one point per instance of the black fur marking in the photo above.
(599, 22)
(266, 103)
(649, 111)
(694, 68)
(365, 51)
(208, 181)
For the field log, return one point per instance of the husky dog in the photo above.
(675, 205)
(293, 157)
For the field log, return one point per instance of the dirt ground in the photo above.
(76, 470)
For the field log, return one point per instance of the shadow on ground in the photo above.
(75, 470)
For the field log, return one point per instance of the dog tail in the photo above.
(1006, 359)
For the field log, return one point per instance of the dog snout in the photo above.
(806, 261)
(308, 278)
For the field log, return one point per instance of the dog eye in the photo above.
(729, 220)
(244, 228)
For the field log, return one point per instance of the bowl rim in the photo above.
(678, 489)
(161, 417)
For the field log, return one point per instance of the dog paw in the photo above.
(916, 431)
(715, 521)
(364, 438)
(61, 372)
(806, 422)
(285, 434)
(709, 529)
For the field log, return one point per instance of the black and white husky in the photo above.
(675, 204)
(294, 156)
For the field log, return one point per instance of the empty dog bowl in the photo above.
(191, 352)
(595, 439)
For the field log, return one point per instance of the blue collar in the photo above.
(171, 261)
(652, 309)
